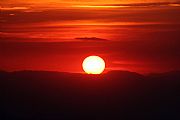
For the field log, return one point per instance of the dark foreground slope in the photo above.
(116, 95)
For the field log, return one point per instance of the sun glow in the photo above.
(93, 65)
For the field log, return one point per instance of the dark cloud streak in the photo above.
(150, 4)
(91, 39)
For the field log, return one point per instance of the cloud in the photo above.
(78, 15)
(13, 8)
(91, 39)
(151, 4)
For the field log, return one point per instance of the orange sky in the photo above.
(85, 1)
(72, 3)
(135, 35)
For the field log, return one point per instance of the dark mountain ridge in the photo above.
(114, 95)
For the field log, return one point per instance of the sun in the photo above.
(93, 65)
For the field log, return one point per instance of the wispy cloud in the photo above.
(95, 24)
(151, 4)
(13, 8)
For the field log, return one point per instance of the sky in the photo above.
(56, 35)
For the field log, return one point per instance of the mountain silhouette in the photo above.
(45, 95)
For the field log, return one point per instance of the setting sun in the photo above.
(93, 65)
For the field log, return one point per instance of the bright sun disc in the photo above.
(93, 65)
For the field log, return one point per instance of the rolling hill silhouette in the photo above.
(44, 95)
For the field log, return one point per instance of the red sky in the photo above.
(135, 35)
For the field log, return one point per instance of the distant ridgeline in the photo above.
(114, 95)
